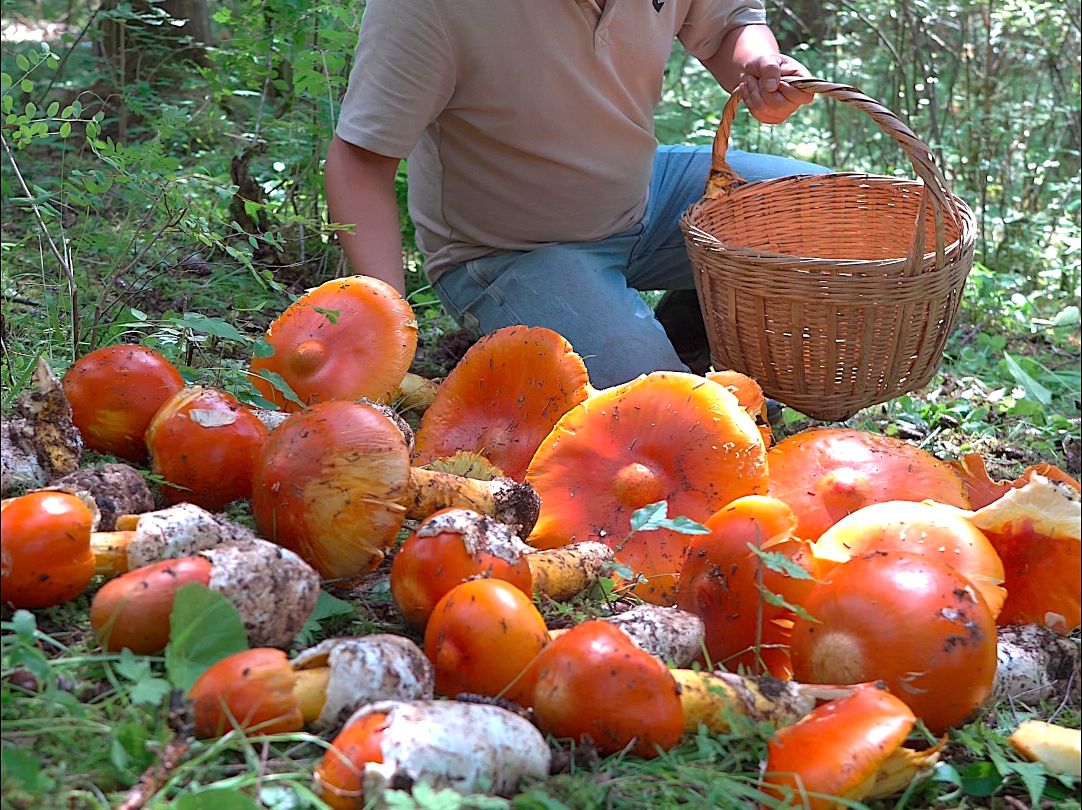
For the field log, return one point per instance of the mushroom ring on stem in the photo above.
(666, 436)
(334, 483)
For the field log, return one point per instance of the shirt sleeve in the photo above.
(708, 21)
(403, 76)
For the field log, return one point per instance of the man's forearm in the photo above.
(737, 48)
(360, 192)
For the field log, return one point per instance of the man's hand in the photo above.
(764, 89)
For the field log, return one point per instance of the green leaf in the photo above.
(21, 767)
(53, 109)
(215, 799)
(209, 326)
(655, 516)
(776, 600)
(781, 564)
(26, 86)
(330, 314)
(204, 628)
(22, 62)
(260, 348)
(65, 129)
(280, 384)
(1033, 389)
(25, 625)
(327, 607)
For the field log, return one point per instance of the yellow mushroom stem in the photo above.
(714, 699)
(900, 769)
(510, 502)
(111, 551)
(310, 690)
(560, 573)
(414, 393)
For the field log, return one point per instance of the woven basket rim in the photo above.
(967, 235)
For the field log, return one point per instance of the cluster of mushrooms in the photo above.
(837, 585)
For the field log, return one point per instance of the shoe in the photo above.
(678, 312)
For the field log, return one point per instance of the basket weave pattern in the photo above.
(837, 291)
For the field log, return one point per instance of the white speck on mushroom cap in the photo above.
(479, 533)
(465, 746)
(272, 588)
(364, 670)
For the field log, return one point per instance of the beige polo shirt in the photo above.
(525, 122)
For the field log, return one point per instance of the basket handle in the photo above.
(722, 179)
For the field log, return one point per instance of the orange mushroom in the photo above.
(334, 483)
(905, 619)
(254, 690)
(593, 681)
(666, 436)
(114, 393)
(1037, 531)
(825, 474)
(448, 548)
(484, 637)
(982, 490)
(751, 397)
(922, 528)
(45, 553)
(744, 625)
(259, 690)
(203, 443)
(348, 338)
(503, 397)
(849, 748)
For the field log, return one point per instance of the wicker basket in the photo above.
(821, 287)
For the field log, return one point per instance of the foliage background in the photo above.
(160, 190)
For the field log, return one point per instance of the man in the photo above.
(536, 185)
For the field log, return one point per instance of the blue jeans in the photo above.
(588, 291)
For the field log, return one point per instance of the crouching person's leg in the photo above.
(577, 290)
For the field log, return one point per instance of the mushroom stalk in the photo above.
(178, 531)
(310, 690)
(560, 573)
(510, 502)
(712, 699)
(414, 393)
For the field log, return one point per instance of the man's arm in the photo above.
(360, 192)
(748, 58)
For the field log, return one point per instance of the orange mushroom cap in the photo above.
(349, 338)
(114, 392)
(907, 620)
(666, 436)
(825, 474)
(982, 490)
(250, 690)
(594, 681)
(1037, 531)
(503, 397)
(447, 548)
(750, 395)
(204, 443)
(44, 548)
(328, 485)
(835, 751)
(922, 528)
